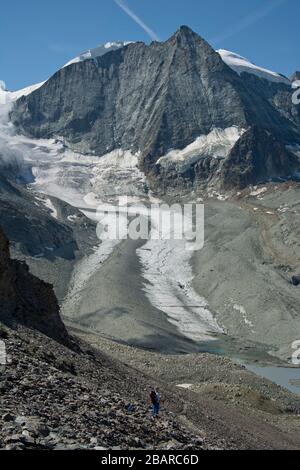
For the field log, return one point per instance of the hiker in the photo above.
(155, 401)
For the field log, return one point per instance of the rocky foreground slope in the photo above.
(67, 395)
(55, 398)
(57, 393)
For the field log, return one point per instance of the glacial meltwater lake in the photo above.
(254, 359)
(286, 377)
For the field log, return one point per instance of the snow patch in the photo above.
(72, 218)
(11, 96)
(185, 386)
(49, 205)
(283, 209)
(257, 191)
(11, 154)
(241, 309)
(217, 143)
(98, 51)
(217, 195)
(240, 64)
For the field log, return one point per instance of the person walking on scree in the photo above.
(155, 400)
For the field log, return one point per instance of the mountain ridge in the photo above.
(153, 98)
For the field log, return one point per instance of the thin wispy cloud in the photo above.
(249, 20)
(137, 19)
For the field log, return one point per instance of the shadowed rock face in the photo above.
(256, 157)
(141, 97)
(28, 225)
(26, 299)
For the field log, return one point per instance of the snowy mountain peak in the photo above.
(240, 64)
(98, 51)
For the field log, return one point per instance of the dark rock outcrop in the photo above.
(196, 176)
(295, 76)
(295, 281)
(30, 226)
(14, 168)
(257, 157)
(26, 299)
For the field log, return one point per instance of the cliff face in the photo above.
(256, 157)
(152, 98)
(156, 98)
(141, 97)
(29, 225)
(26, 299)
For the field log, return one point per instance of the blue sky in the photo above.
(37, 38)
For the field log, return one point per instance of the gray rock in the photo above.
(16, 446)
(8, 417)
(20, 420)
(36, 428)
(14, 438)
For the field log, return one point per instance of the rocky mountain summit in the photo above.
(150, 99)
